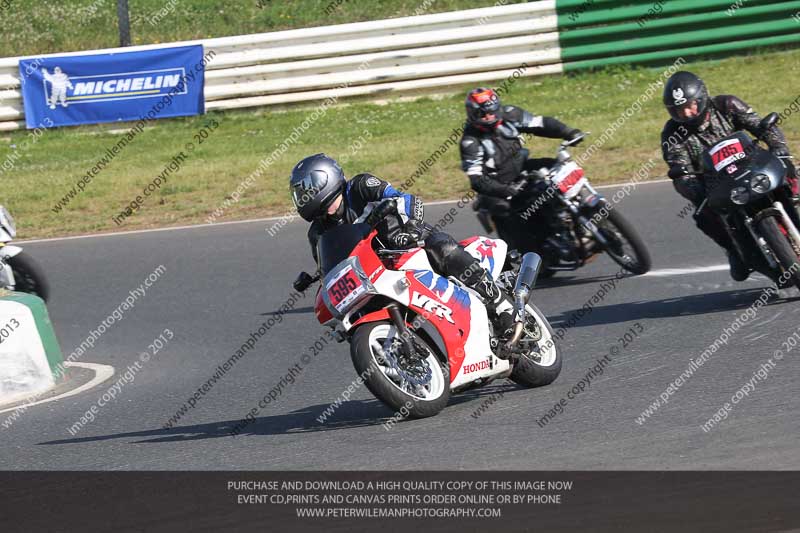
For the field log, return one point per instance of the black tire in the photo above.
(527, 371)
(546, 273)
(386, 390)
(624, 229)
(781, 247)
(29, 276)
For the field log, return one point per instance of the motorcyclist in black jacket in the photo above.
(493, 156)
(324, 197)
(697, 122)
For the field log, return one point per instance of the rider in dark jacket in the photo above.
(325, 198)
(697, 123)
(492, 153)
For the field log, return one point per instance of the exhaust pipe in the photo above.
(526, 279)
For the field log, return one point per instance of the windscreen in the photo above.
(336, 244)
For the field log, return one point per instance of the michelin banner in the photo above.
(88, 89)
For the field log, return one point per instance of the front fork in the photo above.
(759, 240)
(788, 223)
(402, 329)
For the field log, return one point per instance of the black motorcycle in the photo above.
(580, 223)
(746, 186)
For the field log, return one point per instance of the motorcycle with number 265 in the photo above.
(581, 222)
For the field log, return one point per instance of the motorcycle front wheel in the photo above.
(416, 387)
(625, 247)
(29, 276)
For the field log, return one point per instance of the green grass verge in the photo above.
(396, 137)
(32, 27)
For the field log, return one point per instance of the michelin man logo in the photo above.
(59, 82)
(677, 95)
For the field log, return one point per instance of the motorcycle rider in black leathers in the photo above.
(492, 155)
(325, 198)
(697, 123)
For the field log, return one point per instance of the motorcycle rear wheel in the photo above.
(541, 369)
(369, 360)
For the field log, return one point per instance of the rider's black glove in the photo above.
(541, 186)
(574, 134)
(680, 171)
(781, 151)
(515, 189)
(413, 232)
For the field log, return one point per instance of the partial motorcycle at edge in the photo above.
(18, 270)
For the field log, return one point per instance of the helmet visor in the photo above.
(688, 111)
(483, 106)
(488, 114)
(305, 190)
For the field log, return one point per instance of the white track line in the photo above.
(665, 272)
(253, 220)
(101, 373)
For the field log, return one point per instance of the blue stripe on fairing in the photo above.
(439, 284)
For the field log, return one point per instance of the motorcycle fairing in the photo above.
(456, 317)
(570, 179)
(490, 253)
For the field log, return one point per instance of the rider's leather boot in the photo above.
(739, 271)
(498, 304)
(713, 228)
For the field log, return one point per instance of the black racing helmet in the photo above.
(483, 107)
(681, 89)
(315, 182)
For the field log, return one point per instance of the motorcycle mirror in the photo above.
(576, 140)
(303, 281)
(768, 122)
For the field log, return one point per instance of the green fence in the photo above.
(596, 33)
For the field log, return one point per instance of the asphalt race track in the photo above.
(222, 282)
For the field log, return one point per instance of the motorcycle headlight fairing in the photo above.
(7, 222)
(740, 195)
(760, 183)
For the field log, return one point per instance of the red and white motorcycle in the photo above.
(415, 336)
